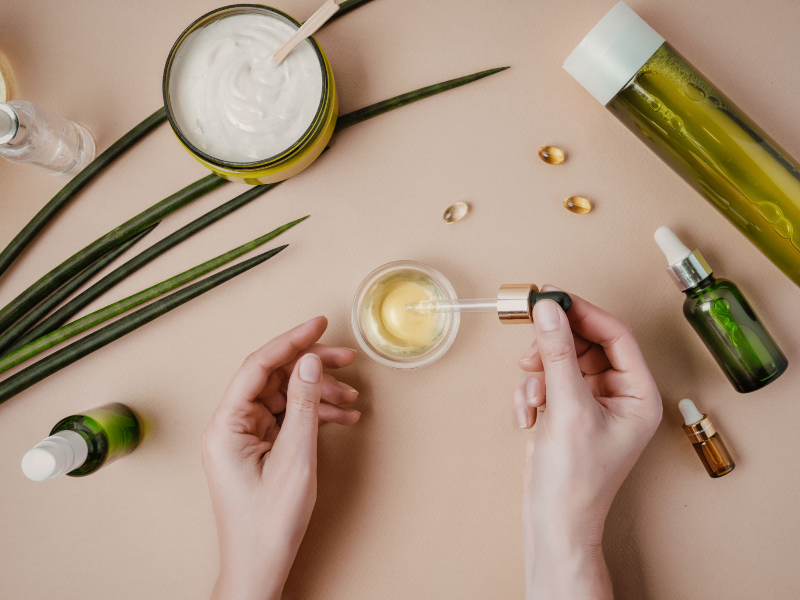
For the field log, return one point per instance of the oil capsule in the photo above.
(551, 155)
(578, 205)
(455, 212)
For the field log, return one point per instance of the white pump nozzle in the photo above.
(671, 245)
(56, 455)
(689, 411)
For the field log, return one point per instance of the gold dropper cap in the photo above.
(513, 303)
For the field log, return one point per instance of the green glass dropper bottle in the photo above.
(81, 444)
(723, 318)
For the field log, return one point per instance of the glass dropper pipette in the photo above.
(425, 307)
(514, 303)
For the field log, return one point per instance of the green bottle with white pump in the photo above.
(81, 444)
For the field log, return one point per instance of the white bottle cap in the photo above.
(671, 245)
(54, 456)
(689, 411)
(612, 52)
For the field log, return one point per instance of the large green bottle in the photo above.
(81, 444)
(723, 318)
(696, 130)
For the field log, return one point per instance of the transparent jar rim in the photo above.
(422, 360)
(316, 123)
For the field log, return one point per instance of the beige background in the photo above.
(421, 499)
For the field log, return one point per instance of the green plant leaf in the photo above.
(104, 314)
(104, 336)
(66, 291)
(37, 292)
(357, 116)
(63, 314)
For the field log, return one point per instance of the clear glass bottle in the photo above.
(81, 444)
(696, 130)
(723, 318)
(30, 135)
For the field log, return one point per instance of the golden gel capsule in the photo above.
(551, 155)
(455, 212)
(577, 205)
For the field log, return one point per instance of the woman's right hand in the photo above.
(602, 407)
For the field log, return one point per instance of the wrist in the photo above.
(247, 585)
(251, 575)
(572, 570)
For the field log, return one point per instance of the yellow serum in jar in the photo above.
(412, 329)
(390, 326)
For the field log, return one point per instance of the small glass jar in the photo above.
(363, 315)
(299, 155)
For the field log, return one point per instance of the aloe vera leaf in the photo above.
(63, 314)
(43, 217)
(357, 116)
(80, 260)
(112, 310)
(346, 6)
(104, 336)
(66, 291)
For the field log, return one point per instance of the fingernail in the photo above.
(530, 352)
(351, 350)
(532, 390)
(354, 391)
(546, 315)
(522, 417)
(519, 392)
(310, 368)
(551, 288)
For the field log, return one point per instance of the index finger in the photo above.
(253, 375)
(612, 333)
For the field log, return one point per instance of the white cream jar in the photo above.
(237, 112)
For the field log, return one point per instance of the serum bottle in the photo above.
(706, 441)
(723, 318)
(31, 135)
(81, 444)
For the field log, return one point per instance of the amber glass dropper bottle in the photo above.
(706, 441)
(723, 318)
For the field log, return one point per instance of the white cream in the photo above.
(228, 97)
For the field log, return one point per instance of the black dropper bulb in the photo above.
(562, 298)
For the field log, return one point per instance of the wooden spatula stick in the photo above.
(307, 29)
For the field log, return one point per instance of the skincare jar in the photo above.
(388, 332)
(238, 113)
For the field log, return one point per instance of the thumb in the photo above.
(562, 375)
(298, 434)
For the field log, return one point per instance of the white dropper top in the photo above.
(689, 411)
(671, 245)
(54, 456)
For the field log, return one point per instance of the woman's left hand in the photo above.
(260, 457)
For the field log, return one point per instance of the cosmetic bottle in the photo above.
(669, 105)
(29, 135)
(81, 444)
(723, 318)
(706, 441)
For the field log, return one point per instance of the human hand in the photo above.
(602, 407)
(262, 467)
